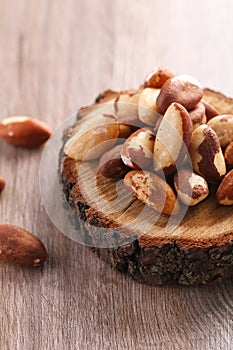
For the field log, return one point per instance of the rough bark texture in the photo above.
(150, 261)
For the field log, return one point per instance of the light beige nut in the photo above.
(172, 139)
(210, 110)
(111, 165)
(153, 191)
(190, 187)
(228, 155)
(24, 131)
(128, 123)
(224, 193)
(197, 115)
(183, 89)
(93, 137)
(18, 246)
(223, 126)
(137, 151)
(206, 154)
(2, 183)
(157, 77)
(147, 108)
(127, 102)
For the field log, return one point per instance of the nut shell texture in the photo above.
(19, 246)
(137, 151)
(183, 89)
(190, 187)
(172, 138)
(206, 154)
(224, 193)
(153, 191)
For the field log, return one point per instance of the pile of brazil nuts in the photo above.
(153, 143)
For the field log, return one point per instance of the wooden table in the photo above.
(56, 56)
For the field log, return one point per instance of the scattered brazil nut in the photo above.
(157, 77)
(206, 154)
(228, 155)
(2, 183)
(172, 139)
(147, 107)
(137, 150)
(153, 191)
(224, 193)
(223, 126)
(183, 89)
(24, 131)
(93, 137)
(190, 187)
(19, 246)
(111, 164)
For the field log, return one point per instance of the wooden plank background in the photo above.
(56, 55)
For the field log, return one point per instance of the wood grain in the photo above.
(54, 57)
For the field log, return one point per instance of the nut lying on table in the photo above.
(24, 131)
(18, 246)
(163, 122)
(2, 183)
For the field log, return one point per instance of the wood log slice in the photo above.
(135, 239)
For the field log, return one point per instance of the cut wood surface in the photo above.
(193, 247)
(56, 56)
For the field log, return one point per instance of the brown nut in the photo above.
(18, 246)
(2, 183)
(153, 191)
(93, 137)
(197, 115)
(128, 123)
(157, 78)
(190, 187)
(206, 154)
(172, 139)
(224, 193)
(183, 89)
(111, 165)
(24, 131)
(137, 151)
(147, 108)
(223, 126)
(228, 155)
(210, 110)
